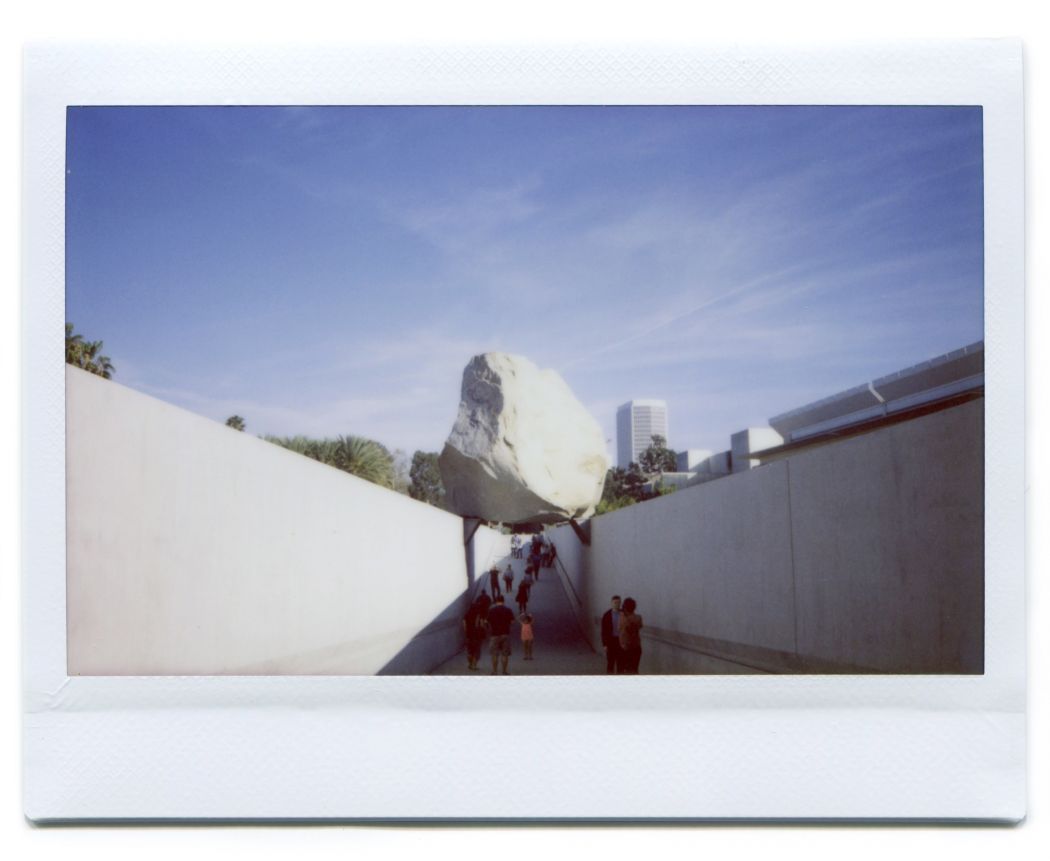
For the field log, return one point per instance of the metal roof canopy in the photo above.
(936, 379)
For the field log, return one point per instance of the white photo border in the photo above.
(368, 748)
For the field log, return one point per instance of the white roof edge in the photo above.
(867, 390)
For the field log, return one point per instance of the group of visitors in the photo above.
(524, 587)
(491, 618)
(621, 637)
(542, 551)
(541, 555)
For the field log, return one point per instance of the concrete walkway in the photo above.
(559, 648)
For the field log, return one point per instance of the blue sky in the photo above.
(331, 270)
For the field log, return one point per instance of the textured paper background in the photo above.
(723, 747)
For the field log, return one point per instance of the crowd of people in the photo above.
(491, 618)
(488, 616)
(542, 552)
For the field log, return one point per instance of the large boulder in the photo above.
(522, 449)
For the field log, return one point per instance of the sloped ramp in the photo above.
(560, 648)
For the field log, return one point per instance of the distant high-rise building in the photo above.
(636, 424)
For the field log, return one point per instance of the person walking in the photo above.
(522, 597)
(630, 638)
(508, 578)
(500, 618)
(485, 602)
(611, 637)
(474, 630)
(534, 564)
(494, 582)
(527, 636)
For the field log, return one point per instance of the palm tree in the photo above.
(356, 455)
(364, 458)
(96, 362)
(74, 346)
(298, 444)
(87, 354)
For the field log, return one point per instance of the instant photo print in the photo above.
(659, 401)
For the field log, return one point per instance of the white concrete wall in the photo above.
(193, 548)
(861, 555)
(490, 548)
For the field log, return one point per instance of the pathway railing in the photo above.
(579, 610)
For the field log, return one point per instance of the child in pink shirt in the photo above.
(526, 635)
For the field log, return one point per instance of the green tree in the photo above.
(364, 458)
(426, 478)
(355, 455)
(657, 457)
(299, 444)
(661, 489)
(604, 505)
(615, 484)
(87, 354)
(74, 346)
(634, 482)
(623, 487)
(235, 422)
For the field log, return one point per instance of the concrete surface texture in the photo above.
(522, 448)
(861, 555)
(196, 549)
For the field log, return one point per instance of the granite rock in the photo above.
(522, 448)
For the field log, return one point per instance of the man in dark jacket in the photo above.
(500, 618)
(611, 637)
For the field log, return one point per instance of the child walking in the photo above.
(526, 635)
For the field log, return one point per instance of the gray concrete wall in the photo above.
(889, 545)
(570, 567)
(862, 555)
(193, 548)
